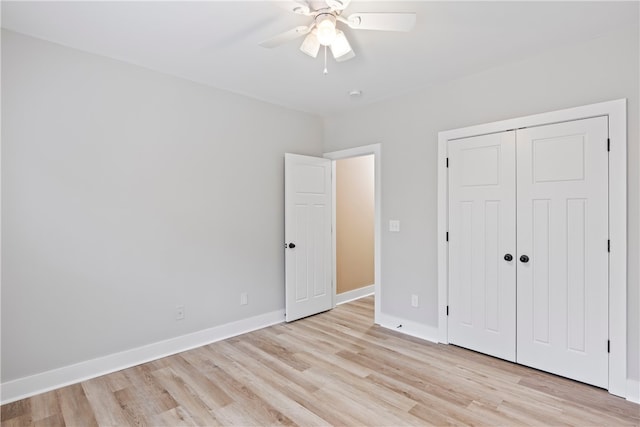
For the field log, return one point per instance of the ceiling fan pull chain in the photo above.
(325, 62)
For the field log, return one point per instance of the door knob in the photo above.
(292, 245)
(524, 259)
(508, 257)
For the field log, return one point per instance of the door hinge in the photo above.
(447, 162)
(608, 346)
(447, 236)
(608, 144)
(609, 245)
(447, 310)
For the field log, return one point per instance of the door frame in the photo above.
(374, 149)
(616, 111)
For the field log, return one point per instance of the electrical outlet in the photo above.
(394, 225)
(179, 312)
(414, 300)
(244, 298)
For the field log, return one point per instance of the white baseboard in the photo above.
(355, 294)
(21, 388)
(409, 327)
(633, 390)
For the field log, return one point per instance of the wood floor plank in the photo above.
(208, 391)
(134, 407)
(117, 381)
(270, 346)
(18, 421)
(288, 381)
(191, 407)
(180, 417)
(106, 407)
(239, 389)
(75, 407)
(55, 420)
(44, 406)
(344, 379)
(16, 409)
(158, 398)
(266, 387)
(277, 368)
(336, 368)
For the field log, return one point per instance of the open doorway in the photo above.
(355, 215)
(357, 224)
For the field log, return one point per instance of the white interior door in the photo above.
(308, 272)
(482, 245)
(563, 230)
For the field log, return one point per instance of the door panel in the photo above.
(562, 172)
(540, 270)
(576, 280)
(482, 297)
(308, 287)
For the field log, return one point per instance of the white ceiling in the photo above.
(216, 42)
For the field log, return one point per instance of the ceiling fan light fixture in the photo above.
(326, 28)
(311, 45)
(323, 31)
(340, 46)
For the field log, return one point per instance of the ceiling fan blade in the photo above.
(381, 21)
(338, 4)
(282, 38)
(301, 7)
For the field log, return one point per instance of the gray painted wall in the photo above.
(126, 192)
(601, 69)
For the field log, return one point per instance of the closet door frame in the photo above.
(616, 112)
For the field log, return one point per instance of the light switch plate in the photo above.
(394, 225)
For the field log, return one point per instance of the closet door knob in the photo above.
(292, 245)
(524, 259)
(508, 257)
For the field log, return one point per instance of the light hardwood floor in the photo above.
(335, 368)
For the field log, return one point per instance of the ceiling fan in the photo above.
(323, 31)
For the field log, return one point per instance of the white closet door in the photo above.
(482, 294)
(563, 230)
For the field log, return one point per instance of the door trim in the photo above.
(617, 115)
(376, 150)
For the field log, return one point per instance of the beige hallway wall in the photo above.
(355, 223)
